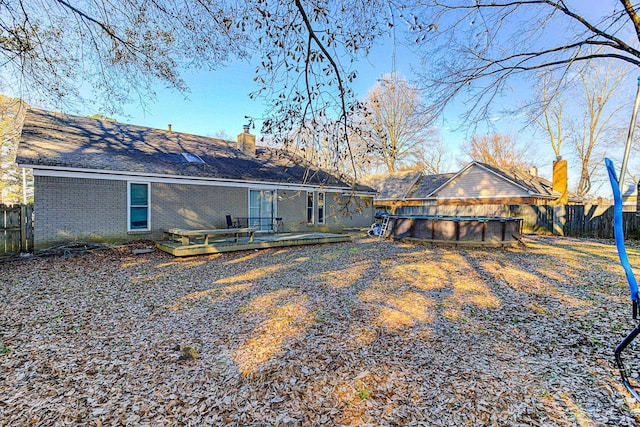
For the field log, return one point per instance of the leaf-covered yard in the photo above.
(361, 333)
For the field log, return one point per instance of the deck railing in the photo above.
(267, 223)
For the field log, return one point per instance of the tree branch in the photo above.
(108, 31)
(631, 12)
(336, 70)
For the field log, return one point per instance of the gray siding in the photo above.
(292, 208)
(477, 182)
(351, 211)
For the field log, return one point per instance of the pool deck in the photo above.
(260, 241)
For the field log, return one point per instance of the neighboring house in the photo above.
(476, 185)
(391, 187)
(404, 188)
(104, 181)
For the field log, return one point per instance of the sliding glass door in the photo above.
(262, 209)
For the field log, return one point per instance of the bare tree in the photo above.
(394, 126)
(221, 134)
(12, 184)
(117, 50)
(433, 159)
(308, 51)
(582, 110)
(547, 111)
(497, 150)
(314, 142)
(54, 51)
(486, 49)
(596, 124)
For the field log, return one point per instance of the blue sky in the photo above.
(219, 101)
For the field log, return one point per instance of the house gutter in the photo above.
(486, 197)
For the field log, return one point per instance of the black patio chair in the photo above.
(230, 223)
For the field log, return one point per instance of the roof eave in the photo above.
(124, 174)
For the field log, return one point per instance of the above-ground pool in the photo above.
(457, 230)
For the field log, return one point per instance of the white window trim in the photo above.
(133, 230)
(274, 201)
(312, 208)
(322, 219)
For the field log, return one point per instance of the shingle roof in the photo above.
(66, 141)
(393, 185)
(428, 184)
(415, 185)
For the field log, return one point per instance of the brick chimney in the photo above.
(559, 181)
(247, 141)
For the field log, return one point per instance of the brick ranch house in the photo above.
(103, 181)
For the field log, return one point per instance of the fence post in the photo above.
(559, 219)
(24, 242)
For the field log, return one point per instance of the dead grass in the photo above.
(361, 333)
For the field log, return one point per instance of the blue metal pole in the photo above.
(619, 232)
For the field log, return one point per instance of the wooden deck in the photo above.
(188, 237)
(260, 241)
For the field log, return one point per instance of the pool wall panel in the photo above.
(495, 231)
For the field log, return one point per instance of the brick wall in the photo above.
(195, 206)
(340, 212)
(68, 209)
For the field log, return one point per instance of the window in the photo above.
(310, 207)
(320, 208)
(139, 206)
(192, 158)
(262, 209)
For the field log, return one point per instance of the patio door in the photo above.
(262, 209)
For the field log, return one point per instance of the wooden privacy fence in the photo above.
(597, 221)
(16, 228)
(593, 221)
